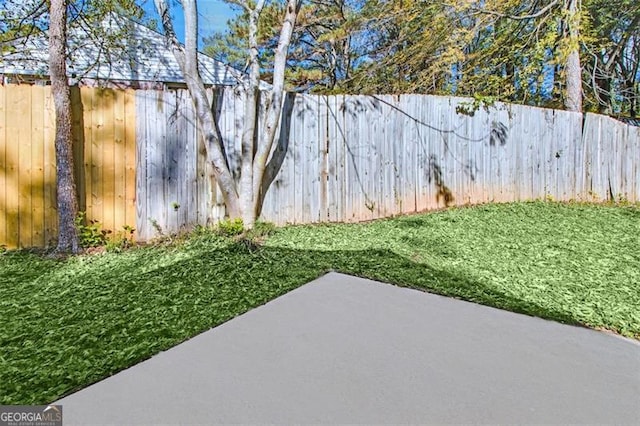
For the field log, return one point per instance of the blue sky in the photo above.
(213, 16)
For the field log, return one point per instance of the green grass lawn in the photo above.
(66, 324)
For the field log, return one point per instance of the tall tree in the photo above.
(65, 185)
(260, 160)
(612, 56)
(410, 46)
(514, 50)
(326, 47)
(573, 69)
(571, 54)
(539, 44)
(323, 50)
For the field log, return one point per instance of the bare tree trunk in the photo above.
(66, 186)
(629, 90)
(273, 111)
(249, 136)
(243, 200)
(603, 94)
(187, 58)
(249, 133)
(573, 70)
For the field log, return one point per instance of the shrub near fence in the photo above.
(349, 158)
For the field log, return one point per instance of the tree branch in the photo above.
(242, 4)
(274, 104)
(519, 17)
(169, 32)
(188, 62)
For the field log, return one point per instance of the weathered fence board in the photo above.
(50, 194)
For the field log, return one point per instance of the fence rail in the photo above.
(141, 162)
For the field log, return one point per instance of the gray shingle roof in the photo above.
(135, 53)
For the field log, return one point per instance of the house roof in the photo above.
(135, 53)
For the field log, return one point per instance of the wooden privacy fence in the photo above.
(140, 161)
(104, 150)
(353, 158)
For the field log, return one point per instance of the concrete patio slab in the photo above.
(348, 350)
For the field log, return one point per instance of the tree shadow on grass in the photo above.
(125, 321)
(387, 266)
